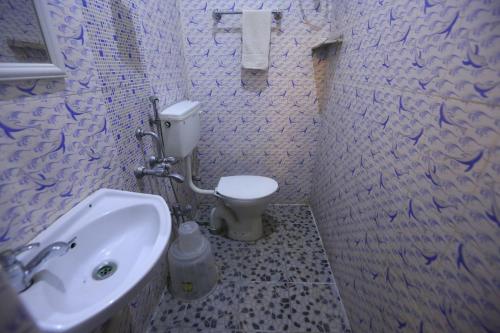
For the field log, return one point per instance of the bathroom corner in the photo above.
(249, 166)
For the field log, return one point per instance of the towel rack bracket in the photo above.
(217, 15)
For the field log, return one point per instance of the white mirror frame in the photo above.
(28, 71)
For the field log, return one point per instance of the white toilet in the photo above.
(241, 200)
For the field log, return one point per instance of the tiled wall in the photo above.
(138, 52)
(63, 139)
(405, 186)
(55, 137)
(253, 122)
(407, 176)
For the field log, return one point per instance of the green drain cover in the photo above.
(104, 270)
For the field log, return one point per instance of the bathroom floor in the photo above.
(280, 283)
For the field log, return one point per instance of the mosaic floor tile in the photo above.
(227, 255)
(169, 313)
(273, 232)
(279, 283)
(216, 311)
(263, 264)
(315, 308)
(227, 265)
(194, 330)
(305, 256)
(264, 307)
(302, 237)
(290, 213)
(310, 269)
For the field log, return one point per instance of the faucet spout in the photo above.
(176, 177)
(56, 249)
(21, 276)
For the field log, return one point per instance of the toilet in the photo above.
(241, 199)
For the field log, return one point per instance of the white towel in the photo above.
(256, 34)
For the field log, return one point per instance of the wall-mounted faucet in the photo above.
(159, 165)
(160, 170)
(20, 275)
(154, 160)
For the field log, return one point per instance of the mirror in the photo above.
(27, 42)
(22, 38)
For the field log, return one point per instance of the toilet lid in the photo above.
(246, 187)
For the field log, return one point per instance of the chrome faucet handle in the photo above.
(159, 170)
(170, 160)
(139, 133)
(153, 99)
(155, 160)
(139, 172)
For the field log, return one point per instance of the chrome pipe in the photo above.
(140, 133)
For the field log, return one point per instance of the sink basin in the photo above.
(119, 238)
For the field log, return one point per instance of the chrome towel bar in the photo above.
(217, 14)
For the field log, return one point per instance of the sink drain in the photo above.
(104, 270)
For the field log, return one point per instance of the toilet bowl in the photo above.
(241, 202)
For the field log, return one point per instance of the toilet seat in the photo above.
(246, 187)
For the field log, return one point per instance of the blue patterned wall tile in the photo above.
(71, 35)
(63, 139)
(433, 60)
(407, 199)
(270, 118)
(59, 151)
(408, 142)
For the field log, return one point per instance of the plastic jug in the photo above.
(193, 273)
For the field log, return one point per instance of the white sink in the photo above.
(128, 229)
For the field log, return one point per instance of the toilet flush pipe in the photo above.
(189, 178)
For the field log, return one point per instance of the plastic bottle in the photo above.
(193, 273)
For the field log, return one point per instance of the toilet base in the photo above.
(242, 222)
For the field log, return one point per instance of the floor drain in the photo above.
(104, 270)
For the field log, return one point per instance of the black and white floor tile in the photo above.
(280, 283)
